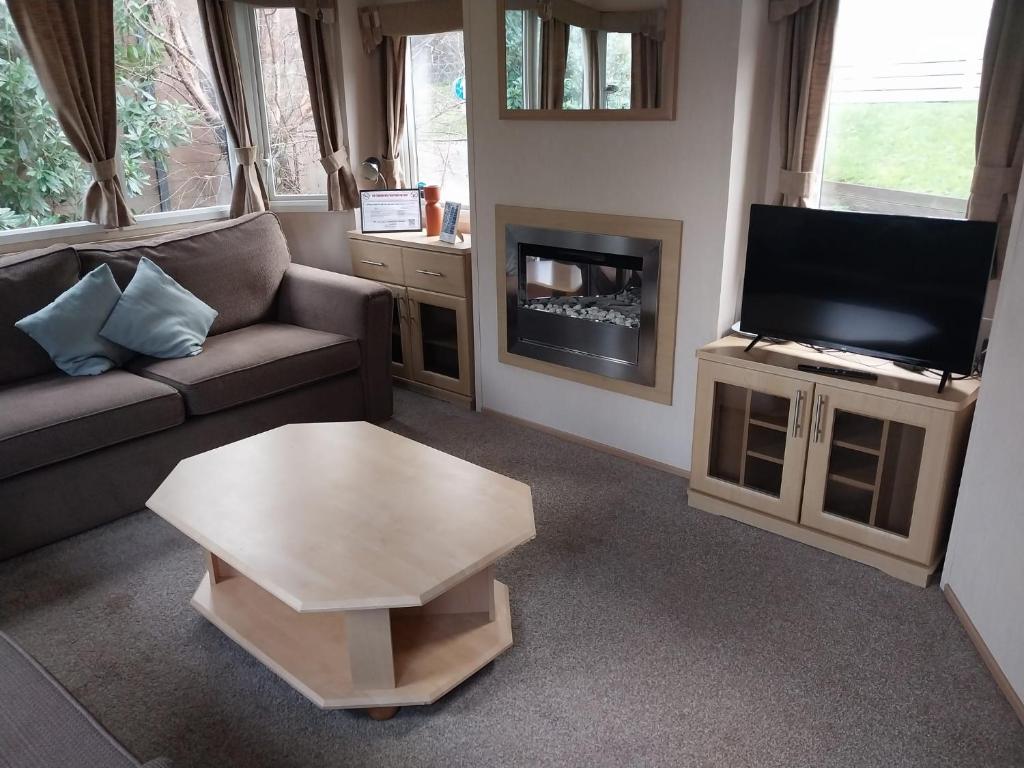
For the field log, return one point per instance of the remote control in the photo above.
(826, 370)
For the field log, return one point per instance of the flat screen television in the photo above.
(902, 288)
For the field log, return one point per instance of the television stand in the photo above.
(863, 468)
(753, 341)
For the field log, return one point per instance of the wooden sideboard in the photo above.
(866, 470)
(432, 282)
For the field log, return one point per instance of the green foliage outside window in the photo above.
(42, 179)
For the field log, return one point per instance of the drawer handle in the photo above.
(428, 272)
(372, 263)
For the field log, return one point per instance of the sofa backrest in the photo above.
(235, 266)
(28, 282)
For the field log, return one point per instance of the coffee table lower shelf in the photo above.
(433, 652)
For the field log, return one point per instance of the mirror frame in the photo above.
(667, 110)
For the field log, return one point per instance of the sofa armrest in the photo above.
(329, 301)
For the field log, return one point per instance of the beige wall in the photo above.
(985, 558)
(691, 169)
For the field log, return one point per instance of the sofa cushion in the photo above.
(69, 327)
(157, 317)
(28, 282)
(234, 266)
(250, 363)
(54, 417)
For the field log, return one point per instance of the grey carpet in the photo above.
(647, 633)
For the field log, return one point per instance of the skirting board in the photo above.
(904, 570)
(986, 655)
(612, 451)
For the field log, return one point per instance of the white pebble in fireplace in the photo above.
(619, 308)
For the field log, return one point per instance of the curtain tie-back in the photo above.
(335, 161)
(370, 29)
(246, 155)
(104, 170)
(796, 183)
(995, 180)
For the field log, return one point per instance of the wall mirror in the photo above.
(588, 59)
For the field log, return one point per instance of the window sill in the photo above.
(81, 231)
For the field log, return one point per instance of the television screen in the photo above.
(903, 288)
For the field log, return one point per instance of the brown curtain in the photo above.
(999, 141)
(554, 48)
(71, 46)
(248, 193)
(321, 54)
(809, 34)
(593, 69)
(645, 83)
(394, 109)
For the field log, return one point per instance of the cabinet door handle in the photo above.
(428, 272)
(372, 263)
(798, 414)
(819, 410)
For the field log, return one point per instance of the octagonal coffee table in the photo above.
(356, 564)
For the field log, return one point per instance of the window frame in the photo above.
(252, 84)
(81, 230)
(256, 107)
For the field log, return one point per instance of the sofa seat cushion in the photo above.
(254, 362)
(55, 417)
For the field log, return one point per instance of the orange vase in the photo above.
(434, 209)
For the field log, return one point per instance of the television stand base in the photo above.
(946, 378)
(753, 341)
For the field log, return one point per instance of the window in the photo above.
(41, 177)
(293, 162)
(174, 153)
(903, 108)
(438, 151)
(173, 149)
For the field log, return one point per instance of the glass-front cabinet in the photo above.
(866, 478)
(437, 324)
(749, 448)
(864, 468)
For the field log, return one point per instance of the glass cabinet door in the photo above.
(750, 439)
(864, 478)
(400, 366)
(439, 340)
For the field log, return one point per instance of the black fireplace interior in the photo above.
(584, 308)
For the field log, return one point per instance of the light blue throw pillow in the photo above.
(157, 317)
(69, 327)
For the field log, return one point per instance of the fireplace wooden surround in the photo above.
(589, 297)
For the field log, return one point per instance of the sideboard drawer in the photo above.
(435, 271)
(377, 262)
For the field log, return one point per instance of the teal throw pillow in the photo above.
(69, 327)
(157, 317)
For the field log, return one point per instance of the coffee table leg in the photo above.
(369, 648)
(474, 595)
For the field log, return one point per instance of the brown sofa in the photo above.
(290, 343)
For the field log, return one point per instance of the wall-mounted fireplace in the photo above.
(589, 297)
(583, 300)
